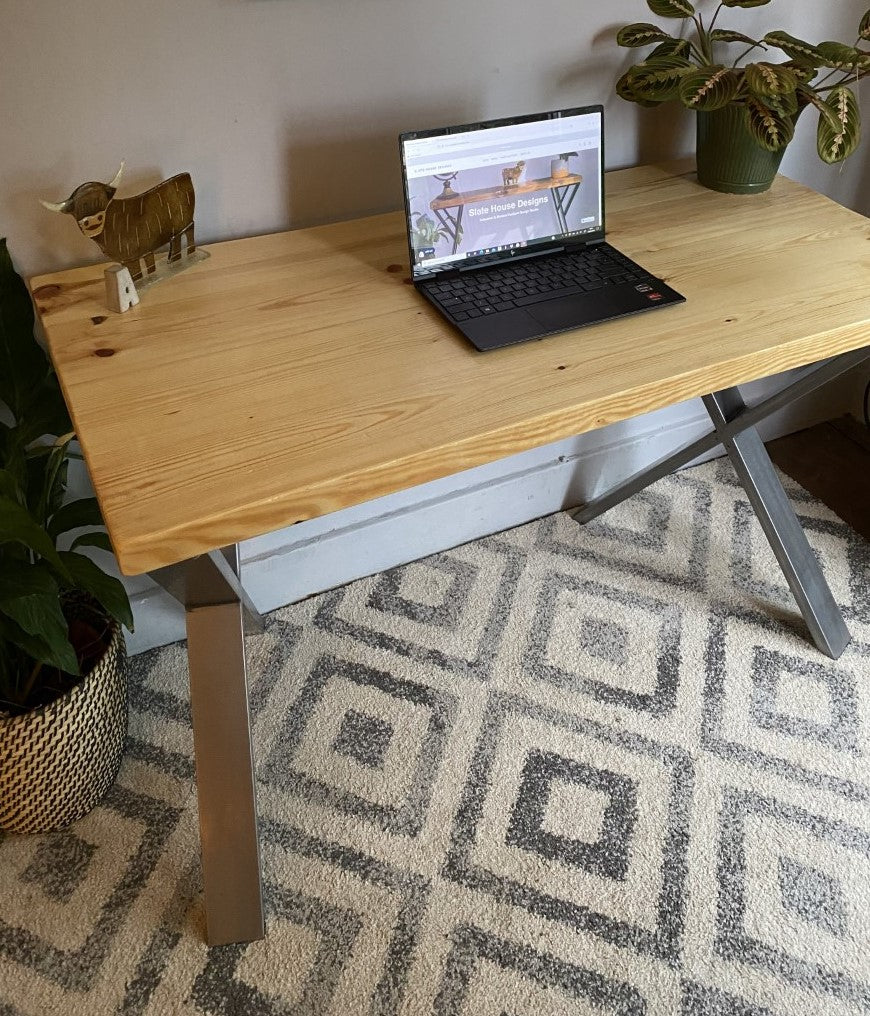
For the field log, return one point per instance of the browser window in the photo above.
(495, 189)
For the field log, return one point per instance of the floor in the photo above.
(553, 770)
(832, 462)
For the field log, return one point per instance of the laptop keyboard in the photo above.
(533, 281)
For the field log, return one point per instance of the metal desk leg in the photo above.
(563, 198)
(734, 425)
(781, 527)
(452, 224)
(225, 785)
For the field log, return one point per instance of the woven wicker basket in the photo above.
(56, 762)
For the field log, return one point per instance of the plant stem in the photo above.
(698, 54)
(830, 74)
(716, 15)
(842, 81)
(748, 51)
(855, 76)
(703, 38)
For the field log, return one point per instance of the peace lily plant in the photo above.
(770, 94)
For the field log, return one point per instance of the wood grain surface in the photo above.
(295, 374)
(516, 190)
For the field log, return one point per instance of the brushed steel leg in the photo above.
(173, 579)
(642, 479)
(734, 428)
(780, 524)
(225, 784)
(739, 420)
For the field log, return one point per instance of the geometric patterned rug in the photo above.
(559, 771)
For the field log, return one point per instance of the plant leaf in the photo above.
(17, 526)
(864, 27)
(827, 111)
(771, 130)
(725, 35)
(44, 411)
(672, 47)
(671, 8)
(797, 49)
(59, 653)
(95, 539)
(640, 34)
(744, 3)
(839, 56)
(14, 462)
(802, 71)
(836, 144)
(105, 589)
(786, 104)
(659, 80)
(769, 79)
(29, 594)
(625, 90)
(75, 515)
(709, 88)
(23, 364)
(54, 475)
(9, 486)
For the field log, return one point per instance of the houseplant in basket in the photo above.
(63, 692)
(747, 109)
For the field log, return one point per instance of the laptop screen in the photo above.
(487, 191)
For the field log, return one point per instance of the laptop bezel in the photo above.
(532, 249)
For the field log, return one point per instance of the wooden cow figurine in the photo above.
(511, 175)
(129, 229)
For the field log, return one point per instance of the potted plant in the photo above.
(426, 233)
(63, 692)
(747, 110)
(560, 166)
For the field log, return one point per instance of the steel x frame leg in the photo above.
(563, 198)
(452, 224)
(214, 601)
(734, 428)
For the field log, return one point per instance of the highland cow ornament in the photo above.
(130, 230)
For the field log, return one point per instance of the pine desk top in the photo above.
(507, 193)
(295, 374)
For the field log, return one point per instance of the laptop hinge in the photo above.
(584, 244)
(446, 273)
(492, 263)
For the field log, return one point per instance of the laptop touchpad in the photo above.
(574, 311)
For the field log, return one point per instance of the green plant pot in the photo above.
(729, 158)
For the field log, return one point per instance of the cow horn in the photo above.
(55, 206)
(114, 183)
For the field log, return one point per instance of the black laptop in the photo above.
(506, 228)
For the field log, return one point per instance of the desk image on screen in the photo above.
(489, 190)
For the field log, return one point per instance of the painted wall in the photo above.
(286, 113)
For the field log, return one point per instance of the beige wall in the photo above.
(286, 111)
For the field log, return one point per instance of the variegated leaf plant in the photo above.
(693, 70)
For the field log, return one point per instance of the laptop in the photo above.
(506, 228)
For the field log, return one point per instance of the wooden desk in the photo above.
(296, 374)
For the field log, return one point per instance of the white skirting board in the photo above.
(319, 554)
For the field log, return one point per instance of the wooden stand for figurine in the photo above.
(121, 294)
(132, 230)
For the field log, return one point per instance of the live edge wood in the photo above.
(506, 193)
(296, 374)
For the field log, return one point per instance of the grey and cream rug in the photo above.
(555, 772)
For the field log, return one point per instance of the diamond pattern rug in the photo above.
(559, 770)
